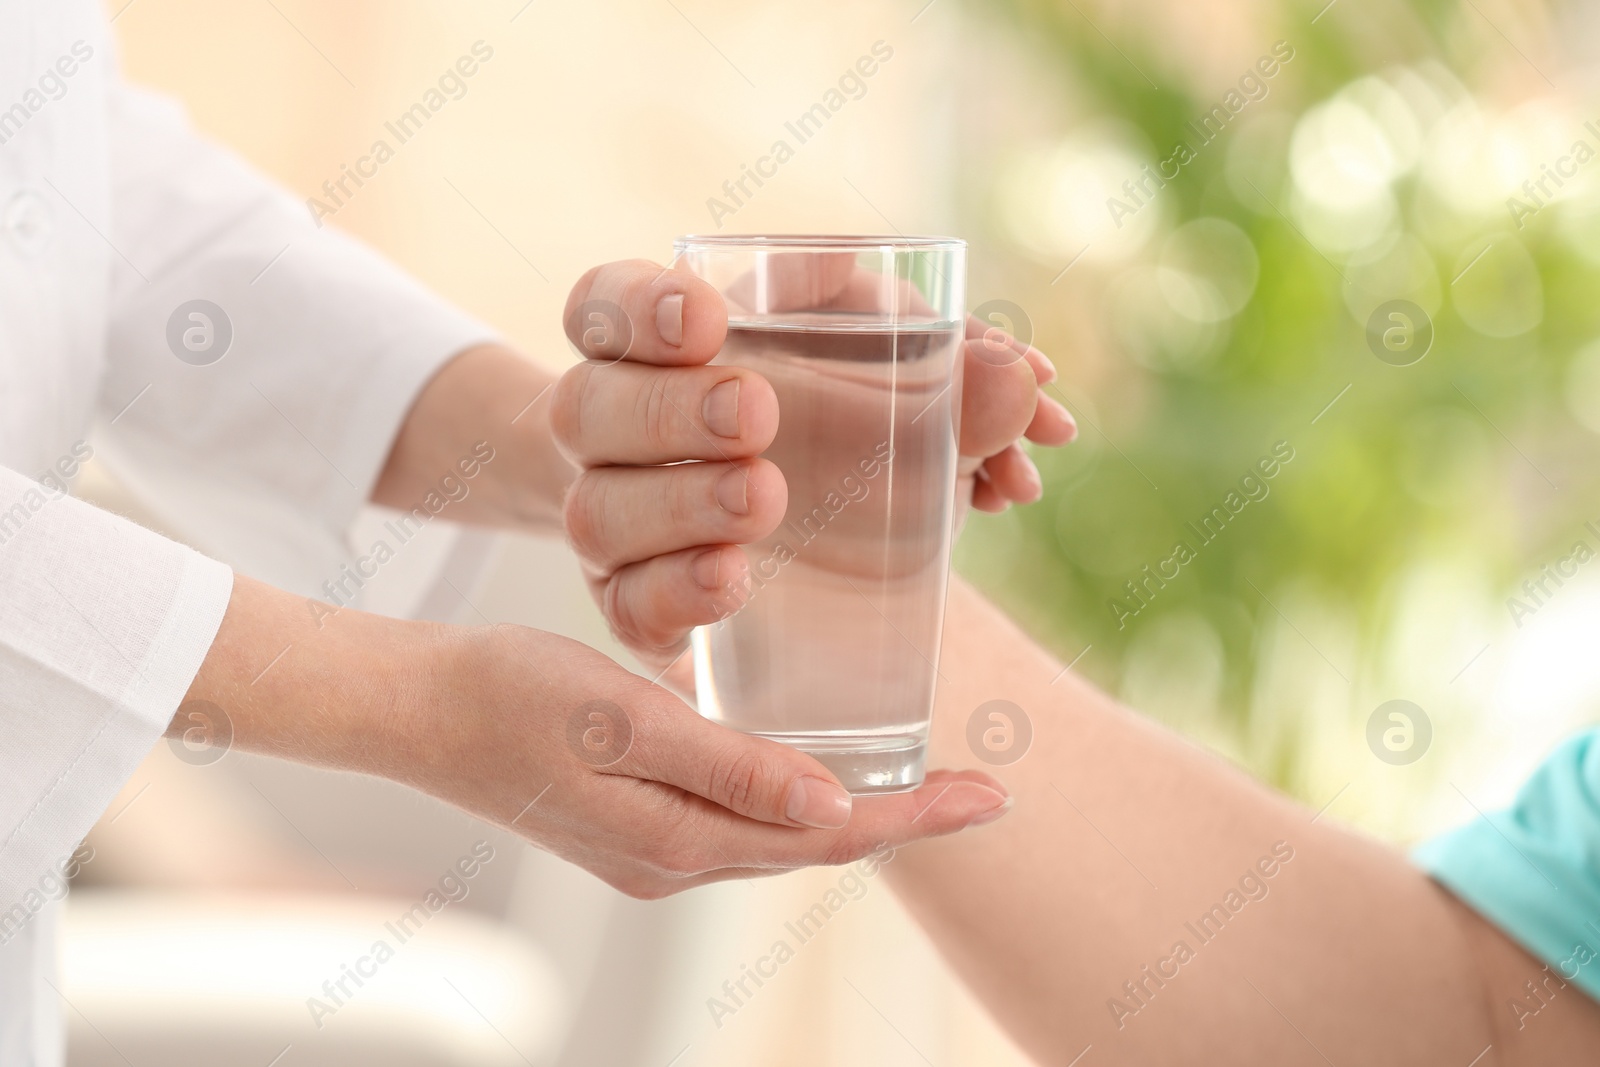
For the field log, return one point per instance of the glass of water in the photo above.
(831, 643)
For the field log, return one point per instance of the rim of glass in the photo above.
(848, 242)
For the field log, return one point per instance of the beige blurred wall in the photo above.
(597, 132)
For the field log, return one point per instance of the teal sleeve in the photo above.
(1534, 869)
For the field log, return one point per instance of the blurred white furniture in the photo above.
(175, 981)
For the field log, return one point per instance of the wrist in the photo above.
(423, 699)
(468, 724)
(296, 679)
(481, 423)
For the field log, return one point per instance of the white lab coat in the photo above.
(113, 214)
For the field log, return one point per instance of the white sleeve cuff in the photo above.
(103, 626)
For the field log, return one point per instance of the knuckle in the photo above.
(690, 495)
(580, 292)
(656, 416)
(621, 612)
(670, 410)
(583, 516)
(586, 284)
(640, 616)
(739, 779)
(566, 409)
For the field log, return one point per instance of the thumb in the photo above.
(751, 776)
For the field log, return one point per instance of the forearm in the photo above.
(1124, 837)
(300, 680)
(487, 394)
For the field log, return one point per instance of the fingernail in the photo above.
(721, 408)
(989, 815)
(669, 319)
(733, 492)
(705, 567)
(814, 802)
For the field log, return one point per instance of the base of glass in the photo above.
(866, 764)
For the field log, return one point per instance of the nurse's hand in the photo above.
(659, 537)
(549, 739)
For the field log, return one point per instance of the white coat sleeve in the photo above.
(103, 626)
(264, 456)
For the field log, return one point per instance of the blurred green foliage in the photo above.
(1452, 457)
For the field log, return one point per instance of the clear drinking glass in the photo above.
(834, 645)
